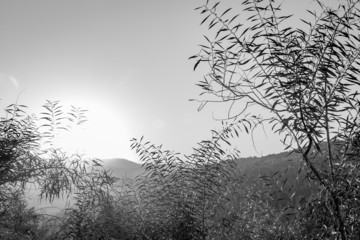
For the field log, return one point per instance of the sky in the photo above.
(126, 61)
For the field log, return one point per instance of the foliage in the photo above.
(177, 197)
(26, 160)
(17, 222)
(93, 215)
(306, 81)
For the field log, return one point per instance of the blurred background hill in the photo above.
(123, 168)
(251, 169)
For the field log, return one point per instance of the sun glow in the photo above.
(104, 135)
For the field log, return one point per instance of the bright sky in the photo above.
(126, 61)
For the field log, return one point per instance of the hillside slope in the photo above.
(122, 168)
(251, 168)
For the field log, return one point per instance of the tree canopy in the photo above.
(307, 79)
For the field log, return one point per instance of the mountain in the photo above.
(284, 180)
(251, 167)
(122, 168)
(255, 167)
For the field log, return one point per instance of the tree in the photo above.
(306, 80)
(27, 156)
(17, 221)
(177, 197)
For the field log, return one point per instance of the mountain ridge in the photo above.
(252, 167)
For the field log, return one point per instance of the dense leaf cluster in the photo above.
(306, 82)
(26, 160)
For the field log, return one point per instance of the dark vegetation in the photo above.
(304, 80)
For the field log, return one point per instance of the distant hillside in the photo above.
(251, 167)
(254, 167)
(122, 168)
(284, 177)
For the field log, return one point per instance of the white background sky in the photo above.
(126, 61)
